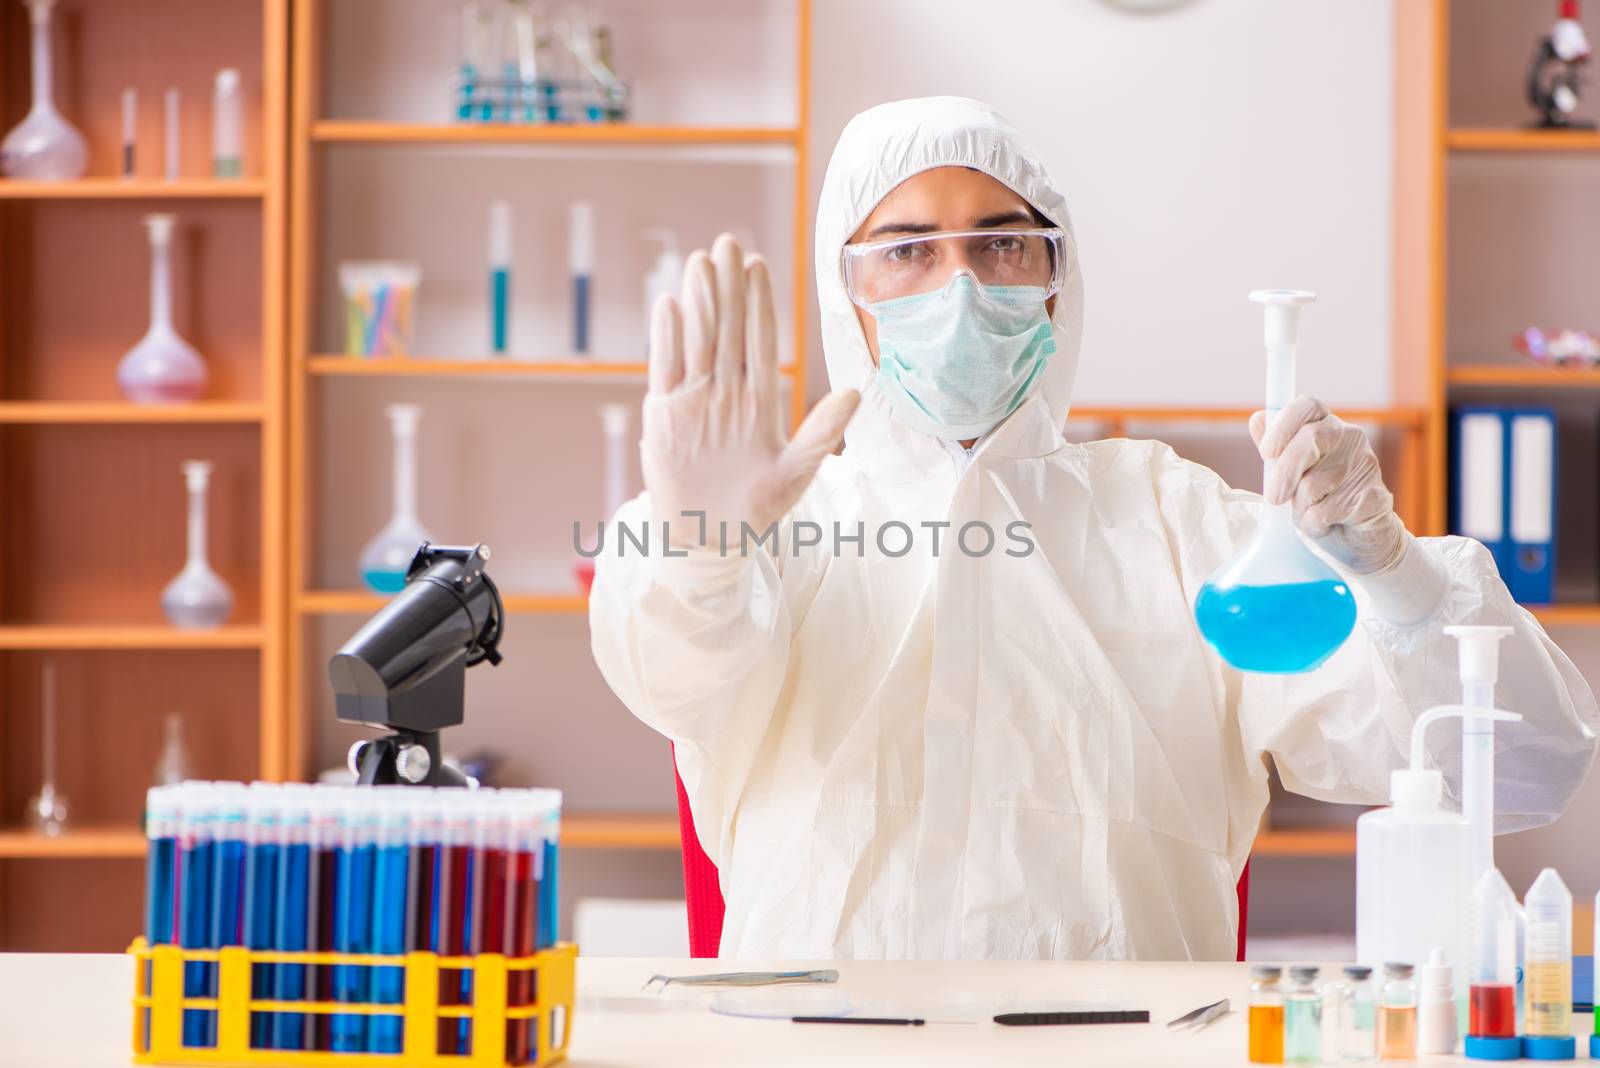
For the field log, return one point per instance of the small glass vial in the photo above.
(1355, 1015)
(1397, 1014)
(1266, 1014)
(1302, 1017)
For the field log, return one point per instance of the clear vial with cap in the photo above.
(1397, 1013)
(1354, 1003)
(1547, 969)
(1266, 1014)
(1302, 1017)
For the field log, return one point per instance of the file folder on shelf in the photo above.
(1502, 476)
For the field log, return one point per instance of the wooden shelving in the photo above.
(1403, 418)
(435, 367)
(68, 412)
(1567, 615)
(1305, 842)
(1489, 139)
(112, 842)
(135, 189)
(348, 131)
(1523, 375)
(135, 636)
(360, 602)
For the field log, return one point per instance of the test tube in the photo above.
(1547, 970)
(453, 906)
(390, 890)
(172, 134)
(163, 816)
(581, 262)
(352, 915)
(1355, 1016)
(1397, 1013)
(1491, 970)
(130, 129)
(194, 903)
(1302, 1017)
(227, 126)
(263, 847)
(1594, 1039)
(527, 852)
(1266, 1014)
(499, 277)
(323, 899)
(293, 920)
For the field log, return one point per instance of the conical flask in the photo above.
(162, 368)
(387, 556)
(1276, 608)
(44, 146)
(197, 599)
(174, 765)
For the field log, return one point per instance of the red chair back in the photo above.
(703, 892)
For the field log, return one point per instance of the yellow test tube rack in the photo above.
(159, 1004)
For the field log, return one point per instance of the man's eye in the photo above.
(1006, 244)
(903, 253)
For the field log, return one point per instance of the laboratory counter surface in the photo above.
(72, 1011)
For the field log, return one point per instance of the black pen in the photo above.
(887, 1021)
(1099, 1016)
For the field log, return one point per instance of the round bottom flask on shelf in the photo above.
(197, 599)
(43, 147)
(162, 368)
(386, 558)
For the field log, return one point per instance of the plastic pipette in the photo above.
(1479, 652)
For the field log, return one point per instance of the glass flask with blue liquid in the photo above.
(386, 557)
(1276, 608)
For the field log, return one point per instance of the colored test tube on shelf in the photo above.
(263, 849)
(352, 918)
(194, 903)
(293, 916)
(390, 900)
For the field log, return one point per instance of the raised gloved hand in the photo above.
(1327, 468)
(714, 439)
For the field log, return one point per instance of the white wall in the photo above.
(1230, 145)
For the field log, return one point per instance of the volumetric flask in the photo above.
(1276, 608)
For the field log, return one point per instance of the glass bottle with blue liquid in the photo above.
(1276, 607)
(386, 557)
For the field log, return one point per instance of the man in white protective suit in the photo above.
(896, 744)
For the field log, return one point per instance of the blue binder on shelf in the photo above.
(1503, 492)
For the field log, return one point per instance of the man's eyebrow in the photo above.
(901, 228)
(1004, 218)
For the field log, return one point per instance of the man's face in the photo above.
(944, 198)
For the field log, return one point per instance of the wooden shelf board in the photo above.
(1491, 374)
(1305, 842)
(355, 131)
(1566, 615)
(1400, 417)
(361, 602)
(619, 832)
(136, 636)
(134, 189)
(1489, 139)
(123, 412)
(105, 841)
(418, 366)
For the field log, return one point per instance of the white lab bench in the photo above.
(59, 1010)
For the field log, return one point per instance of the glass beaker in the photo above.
(614, 420)
(379, 299)
(197, 599)
(44, 146)
(386, 558)
(162, 368)
(1276, 608)
(47, 810)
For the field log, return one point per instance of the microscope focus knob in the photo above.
(413, 764)
(353, 759)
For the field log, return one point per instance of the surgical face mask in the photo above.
(955, 362)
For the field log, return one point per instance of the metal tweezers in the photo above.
(744, 978)
(1202, 1016)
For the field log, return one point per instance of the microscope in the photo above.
(405, 670)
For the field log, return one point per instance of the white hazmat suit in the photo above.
(942, 755)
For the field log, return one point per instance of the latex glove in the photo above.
(1327, 468)
(714, 437)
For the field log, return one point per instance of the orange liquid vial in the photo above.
(1266, 1034)
(1397, 1033)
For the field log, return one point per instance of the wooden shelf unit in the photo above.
(360, 602)
(1514, 376)
(1305, 842)
(431, 367)
(1524, 141)
(345, 131)
(120, 666)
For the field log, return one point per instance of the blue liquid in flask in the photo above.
(384, 581)
(1277, 629)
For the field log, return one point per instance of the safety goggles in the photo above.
(909, 266)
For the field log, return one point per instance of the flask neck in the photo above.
(405, 474)
(197, 526)
(160, 283)
(43, 97)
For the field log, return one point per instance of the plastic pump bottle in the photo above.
(1436, 1006)
(1413, 861)
(1479, 651)
(666, 277)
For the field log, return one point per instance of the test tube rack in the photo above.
(159, 1005)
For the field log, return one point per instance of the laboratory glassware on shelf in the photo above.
(170, 148)
(162, 368)
(227, 125)
(379, 298)
(174, 765)
(197, 599)
(519, 66)
(500, 278)
(386, 558)
(580, 254)
(44, 146)
(1276, 607)
(1355, 1015)
(47, 810)
(665, 278)
(1547, 970)
(614, 419)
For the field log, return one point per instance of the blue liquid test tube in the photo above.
(263, 845)
(163, 815)
(352, 918)
(194, 904)
(292, 919)
(549, 901)
(227, 883)
(324, 900)
(390, 900)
